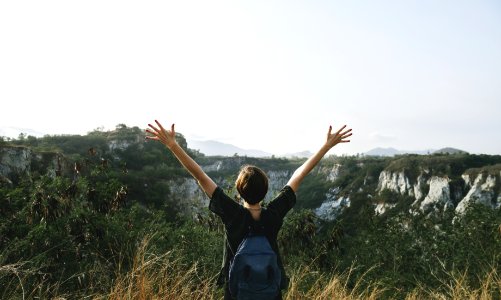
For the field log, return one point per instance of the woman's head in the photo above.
(252, 184)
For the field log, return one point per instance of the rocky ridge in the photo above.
(16, 161)
(441, 196)
(431, 193)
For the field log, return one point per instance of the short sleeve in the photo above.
(283, 202)
(223, 206)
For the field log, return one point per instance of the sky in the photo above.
(268, 75)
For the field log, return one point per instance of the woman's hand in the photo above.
(339, 136)
(166, 137)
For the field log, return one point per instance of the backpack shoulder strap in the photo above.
(249, 221)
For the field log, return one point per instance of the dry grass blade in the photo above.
(458, 288)
(161, 277)
(327, 288)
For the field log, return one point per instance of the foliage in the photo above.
(405, 249)
(105, 227)
(441, 164)
(312, 191)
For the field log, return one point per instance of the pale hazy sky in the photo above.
(269, 75)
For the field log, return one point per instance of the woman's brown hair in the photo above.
(252, 184)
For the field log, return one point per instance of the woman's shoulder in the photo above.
(285, 195)
(283, 202)
(223, 205)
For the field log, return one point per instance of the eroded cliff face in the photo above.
(17, 162)
(431, 194)
(333, 205)
(434, 193)
(482, 190)
(187, 189)
(187, 195)
(395, 181)
(438, 197)
(228, 164)
(331, 173)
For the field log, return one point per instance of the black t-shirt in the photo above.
(237, 221)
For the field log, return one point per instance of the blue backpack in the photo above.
(254, 272)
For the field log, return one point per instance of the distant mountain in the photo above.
(450, 150)
(302, 154)
(383, 152)
(213, 148)
(393, 152)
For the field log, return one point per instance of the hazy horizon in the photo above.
(12, 132)
(407, 75)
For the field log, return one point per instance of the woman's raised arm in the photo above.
(333, 139)
(167, 137)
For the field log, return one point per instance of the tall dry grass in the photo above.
(459, 288)
(166, 277)
(163, 277)
(306, 283)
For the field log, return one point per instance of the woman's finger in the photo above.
(152, 132)
(155, 138)
(160, 125)
(154, 128)
(347, 130)
(344, 132)
(340, 129)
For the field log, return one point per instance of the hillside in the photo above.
(87, 202)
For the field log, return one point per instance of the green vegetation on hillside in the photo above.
(106, 228)
(441, 164)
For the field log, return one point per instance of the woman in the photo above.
(252, 185)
